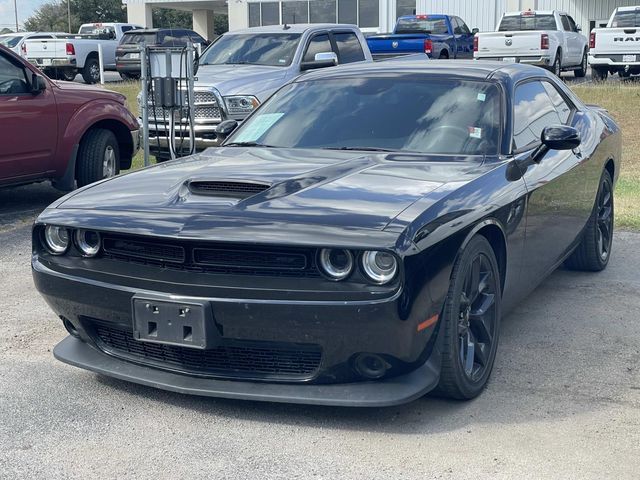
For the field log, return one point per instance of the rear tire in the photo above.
(129, 76)
(582, 71)
(443, 55)
(594, 251)
(599, 74)
(98, 157)
(556, 68)
(91, 70)
(471, 322)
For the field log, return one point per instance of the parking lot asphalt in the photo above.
(563, 401)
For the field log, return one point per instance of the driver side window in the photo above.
(318, 44)
(13, 80)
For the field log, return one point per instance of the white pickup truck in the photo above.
(66, 56)
(549, 39)
(616, 48)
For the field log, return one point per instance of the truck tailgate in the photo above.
(396, 44)
(45, 50)
(510, 44)
(617, 41)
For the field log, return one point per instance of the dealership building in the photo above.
(370, 15)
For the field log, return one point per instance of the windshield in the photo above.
(628, 19)
(527, 22)
(139, 38)
(437, 26)
(10, 41)
(274, 49)
(396, 113)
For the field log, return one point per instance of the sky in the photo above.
(25, 9)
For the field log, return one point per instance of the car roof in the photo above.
(466, 69)
(534, 12)
(628, 9)
(156, 30)
(293, 28)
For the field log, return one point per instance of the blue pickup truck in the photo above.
(439, 36)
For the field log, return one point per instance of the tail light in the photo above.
(71, 49)
(592, 40)
(476, 42)
(544, 42)
(428, 46)
(23, 49)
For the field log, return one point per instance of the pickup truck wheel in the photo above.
(557, 66)
(91, 70)
(599, 74)
(98, 157)
(129, 76)
(443, 56)
(582, 71)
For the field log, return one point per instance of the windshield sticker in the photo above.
(475, 132)
(482, 97)
(257, 127)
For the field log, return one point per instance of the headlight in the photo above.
(380, 267)
(241, 104)
(337, 264)
(88, 242)
(56, 239)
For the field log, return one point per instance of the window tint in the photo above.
(445, 116)
(295, 12)
(318, 44)
(405, 7)
(527, 22)
(436, 26)
(348, 11)
(10, 41)
(270, 13)
(561, 106)
(276, 49)
(533, 111)
(565, 23)
(139, 38)
(349, 49)
(322, 11)
(572, 24)
(464, 30)
(12, 78)
(126, 28)
(626, 19)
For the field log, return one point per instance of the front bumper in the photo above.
(381, 393)
(342, 329)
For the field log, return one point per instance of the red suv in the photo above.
(69, 133)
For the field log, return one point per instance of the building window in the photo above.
(405, 7)
(368, 13)
(348, 11)
(322, 11)
(254, 14)
(270, 13)
(295, 12)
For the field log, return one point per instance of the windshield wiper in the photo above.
(248, 144)
(363, 149)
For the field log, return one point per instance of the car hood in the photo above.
(88, 91)
(348, 190)
(255, 80)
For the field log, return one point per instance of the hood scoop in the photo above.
(227, 188)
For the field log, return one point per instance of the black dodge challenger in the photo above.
(355, 242)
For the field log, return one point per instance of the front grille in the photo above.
(234, 358)
(227, 189)
(213, 258)
(206, 108)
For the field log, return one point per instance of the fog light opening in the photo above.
(371, 366)
(70, 327)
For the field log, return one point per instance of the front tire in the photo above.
(98, 157)
(594, 251)
(471, 322)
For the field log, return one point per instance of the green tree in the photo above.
(50, 17)
(169, 18)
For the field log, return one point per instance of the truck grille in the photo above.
(206, 108)
(234, 358)
(213, 258)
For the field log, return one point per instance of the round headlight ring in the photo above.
(56, 239)
(337, 264)
(88, 242)
(380, 267)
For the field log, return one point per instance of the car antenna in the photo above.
(286, 27)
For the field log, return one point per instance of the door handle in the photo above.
(578, 153)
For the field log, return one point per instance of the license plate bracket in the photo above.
(630, 58)
(169, 322)
(509, 59)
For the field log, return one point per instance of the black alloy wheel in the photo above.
(594, 251)
(471, 321)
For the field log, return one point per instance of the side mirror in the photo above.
(556, 137)
(475, 30)
(578, 28)
(224, 129)
(38, 85)
(321, 60)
